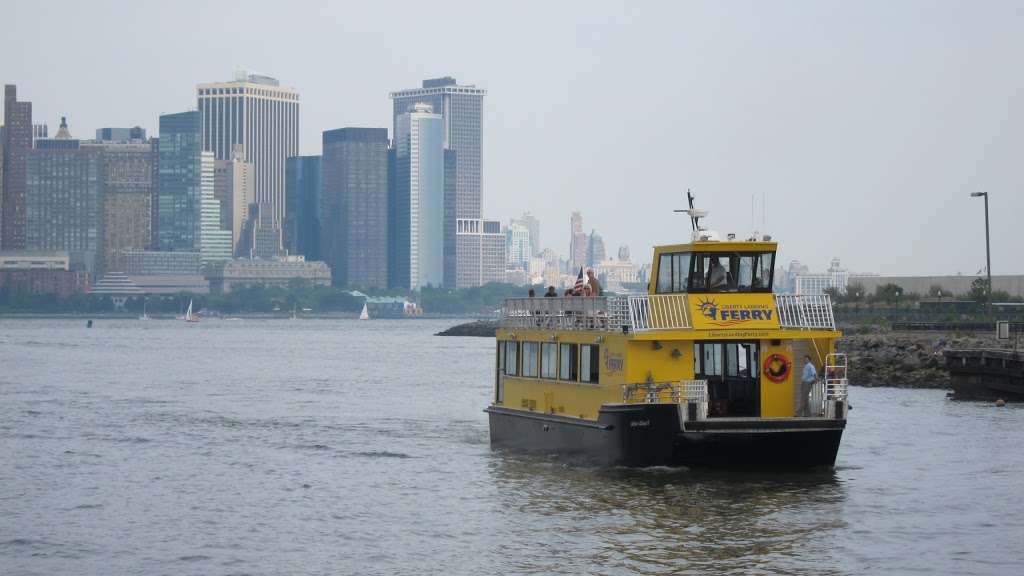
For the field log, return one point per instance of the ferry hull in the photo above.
(640, 435)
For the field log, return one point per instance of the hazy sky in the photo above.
(865, 125)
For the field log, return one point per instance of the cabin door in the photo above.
(733, 375)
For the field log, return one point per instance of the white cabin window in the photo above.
(548, 360)
(590, 361)
(530, 357)
(568, 362)
(511, 357)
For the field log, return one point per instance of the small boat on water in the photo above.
(986, 374)
(189, 315)
(144, 315)
(703, 370)
(365, 314)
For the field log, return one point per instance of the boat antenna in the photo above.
(695, 215)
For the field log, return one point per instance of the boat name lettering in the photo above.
(613, 361)
(639, 423)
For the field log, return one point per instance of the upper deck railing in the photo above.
(805, 312)
(647, 313)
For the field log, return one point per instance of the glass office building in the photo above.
(180, 171)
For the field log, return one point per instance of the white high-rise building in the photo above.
(517, 244)
(258, 114)
(418, 203)
(214, 243)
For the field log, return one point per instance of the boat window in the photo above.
(548, 360)
(589, 363)
(568, 362)
(530, 358)
(741, 360)
(511, 357)
(732, 272)
(673, 272)
(711, 359)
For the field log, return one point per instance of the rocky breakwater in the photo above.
(878, 357)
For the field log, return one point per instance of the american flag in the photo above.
(578, 288)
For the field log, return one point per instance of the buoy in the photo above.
(1000, 402)
(88, 324)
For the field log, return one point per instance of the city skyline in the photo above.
(842, 136)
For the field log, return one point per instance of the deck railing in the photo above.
(573, 313)
(659, 312)
(805, 312)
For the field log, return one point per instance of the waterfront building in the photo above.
(214, 242)
(25, 260)
(416, 206)
(303, 187)
(60, 282)
(461, 110)
(815, 284)
(118, 287)
(354, 233)
(616, 275)
(120, 134)
(17, 144)
(226, 275)
(64, 199)
(517, 244)
(257, 113)
(578, 243)
(128, 188)
(595, 249)
(179, 193)
(233, 187)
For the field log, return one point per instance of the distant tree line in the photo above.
(891, 294)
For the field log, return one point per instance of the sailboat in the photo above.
(144, 315)
(189, 316)
(365, 314)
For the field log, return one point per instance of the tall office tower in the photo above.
(64, 200)
(303, 187)
(120, 134)
(17, 145)
(354, 223)
(233, 187)
(179, 193)
(259, 114)
(517, 244)
(127, 180)
(533, 225)
(214, 242)
(461, 108)
(1, 184)
(595, 249)
(492, 253)
(578, 244)
(262, 236)
(416, 228)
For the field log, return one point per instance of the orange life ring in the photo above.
(777, 367)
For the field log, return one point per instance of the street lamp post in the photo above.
(988, 253)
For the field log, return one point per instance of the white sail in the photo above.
(365, 314)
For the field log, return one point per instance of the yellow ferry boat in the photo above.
(704, 369)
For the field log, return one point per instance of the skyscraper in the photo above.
(517, 243)
(354, 206)
(303, 189)
(179, 194)
(261, 116)
(17, 145)
(416, 228)
(578, 244)
(214, 242)
(127, 181)
(64, 199)
(233, 188)
(595, 249)
(461, 109)
(533, 226)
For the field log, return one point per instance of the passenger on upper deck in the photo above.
(595, 286)
(551, 293)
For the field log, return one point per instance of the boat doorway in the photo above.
(732, 370)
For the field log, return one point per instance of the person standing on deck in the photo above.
(807, 379)
(595, 286)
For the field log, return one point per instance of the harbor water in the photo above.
(347, 447)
